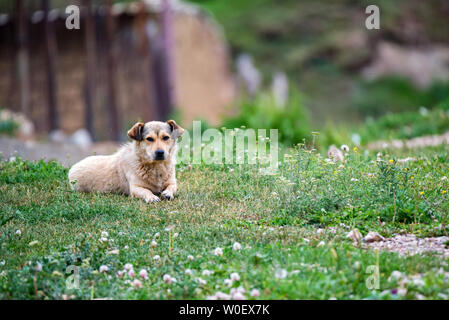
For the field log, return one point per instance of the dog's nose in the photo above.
(159, 154)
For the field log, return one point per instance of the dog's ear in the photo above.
(136, 132)
(176, 130)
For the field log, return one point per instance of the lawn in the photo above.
(230, 232)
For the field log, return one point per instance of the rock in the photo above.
(354, 235)
(57, 136)
(373, 237)
(81, 138)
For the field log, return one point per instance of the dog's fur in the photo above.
(138, 168)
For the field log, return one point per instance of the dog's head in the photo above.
(155, 140)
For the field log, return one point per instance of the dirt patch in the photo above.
(410, 245)
(66, 153)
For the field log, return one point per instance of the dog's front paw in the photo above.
(152, 198)
(167, 195)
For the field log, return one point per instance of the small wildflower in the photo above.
(153, 244)
(236, 246)
(131, 273)
(344, 147)
(355, 149)
(321, 244)
(421, 193)
(207, 273)
(190, 257)
(391, 161)
(38, 267)
(136, 283)
(126, 247)
(218, 251)
(157, 257)
(228, 282)
(255, 293)
(157, 235)
(238, 296)
(443, 192)
(143, 274)
(120, 273)
(188, 272)
(128, 266)
(167, 278)
(201, 281)
(280, 274)
(234, 276)
(104, 234)
(104, 268)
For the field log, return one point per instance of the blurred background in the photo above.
(298, 66)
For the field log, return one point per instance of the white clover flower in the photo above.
(201, 281)
(280, 274)
(188, 272)
(238, 296)
(120, 273)
(18, 232)
(255, 293)
(153, 244)
(143, 274)
(395, 275)
(234, 276)
(173, 280)
(104, 234)
(126, 247)
(131, 273)
(2, 263)
(136, 283)
(38, 267)
(175, 235)
(128, 266)
(228, 282)
(444, 178)
(190, 257)
(103, 239)
(167, 278)
(236, 246)
(207, 273)
(218, 251)
(157, 258)
(321, 244)
(344, 148)
(104, 268)
(222, 295)
(157, 235)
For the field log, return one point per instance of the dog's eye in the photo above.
(165, 138)
(150, 139)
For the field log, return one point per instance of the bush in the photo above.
(262, 113)
(392, 94)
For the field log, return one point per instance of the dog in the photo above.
(141, 168)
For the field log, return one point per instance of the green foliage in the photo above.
(273, 217)
(392, 95)
(8, 127)
(262, 113)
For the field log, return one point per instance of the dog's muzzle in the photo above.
(159, 155)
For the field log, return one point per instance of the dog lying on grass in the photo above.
(141, 168)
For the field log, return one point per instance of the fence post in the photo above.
(50, 56)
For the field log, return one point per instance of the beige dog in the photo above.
(140, 168)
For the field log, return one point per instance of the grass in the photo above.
(274, 218)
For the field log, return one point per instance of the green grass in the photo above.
(270, 216)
